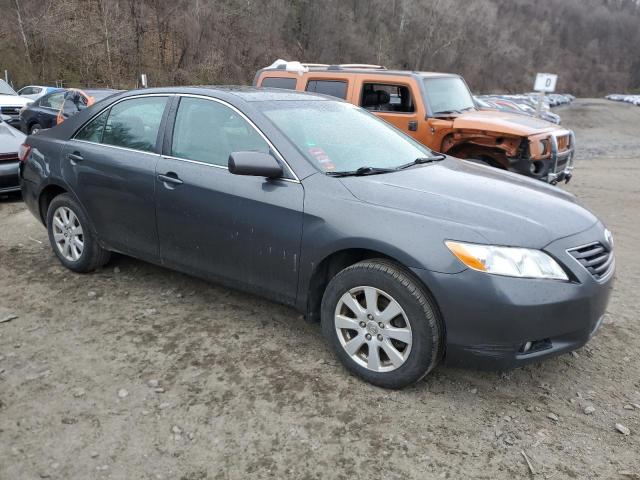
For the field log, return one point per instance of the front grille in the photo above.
(9, 157)
(595, 257)
(561, 164)
(563, 143)
(10, 110)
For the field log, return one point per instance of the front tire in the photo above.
(382, 324)
(71, 237)
(35, 128)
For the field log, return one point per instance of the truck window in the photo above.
(335, 88)
(279, 82)
(387, 98)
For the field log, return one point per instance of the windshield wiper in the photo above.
(421, 160)
(360, 172)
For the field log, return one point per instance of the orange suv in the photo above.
(438, 110)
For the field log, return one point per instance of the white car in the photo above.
(34, 92)
(11, 103)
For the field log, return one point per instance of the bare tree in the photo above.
(497, 45)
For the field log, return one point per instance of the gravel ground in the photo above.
(137, 372)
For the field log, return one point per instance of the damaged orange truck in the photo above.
(438, 110)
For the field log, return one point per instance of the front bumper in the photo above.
(9, 181)
(489, 318)
(561, 163)
(557, 166)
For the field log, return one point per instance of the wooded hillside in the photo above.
(497, 45)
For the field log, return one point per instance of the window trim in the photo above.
(329, 79)
(51, 95)
(272, 147)
(169, 118)
(161, 128)
(266, 77)
(391, 84)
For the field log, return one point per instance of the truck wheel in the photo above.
(35, 128)
(382, 324)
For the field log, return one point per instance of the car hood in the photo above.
(493, 206)
(503, 122)
(13, 101)
(10, 138)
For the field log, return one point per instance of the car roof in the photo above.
(246, 93)
(366, 69)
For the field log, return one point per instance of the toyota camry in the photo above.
(406, 257)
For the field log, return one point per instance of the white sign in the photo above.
(545, 82)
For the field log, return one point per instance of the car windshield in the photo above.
(340, 137)
(447, 95)
(5, 89)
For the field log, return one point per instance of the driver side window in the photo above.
(208, 131)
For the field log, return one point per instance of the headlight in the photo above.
(543, 146)
(510, 261)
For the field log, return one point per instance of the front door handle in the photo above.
(170, 178)
(413, 126)
(75, 157)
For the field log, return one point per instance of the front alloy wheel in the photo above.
(382, 323)
(373, 329)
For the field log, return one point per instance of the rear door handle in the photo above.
(75, 157)
(170, 178)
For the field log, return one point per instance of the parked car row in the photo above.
(621, 97)
(407, 257)
(526, 104)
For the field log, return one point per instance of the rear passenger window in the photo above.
(209, 132)
(280, 82)
(387, 98)
(135, 123)
(92, 131)
(335, 88)
(55, 100)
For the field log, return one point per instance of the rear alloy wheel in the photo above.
(68, 234)
(382, 324)
(71, 237)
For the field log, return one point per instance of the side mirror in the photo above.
(257, 164)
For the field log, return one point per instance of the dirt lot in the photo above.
(136, 372)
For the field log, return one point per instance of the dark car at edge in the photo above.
(10, 143)
(55, 107)
(406, 257)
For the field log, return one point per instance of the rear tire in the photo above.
(72, 237)
(382, 324)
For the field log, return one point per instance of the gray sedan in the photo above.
(406, 257)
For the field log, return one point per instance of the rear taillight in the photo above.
(23, 152)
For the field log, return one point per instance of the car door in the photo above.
(240, 229)
(394, 102)
(111, 164)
